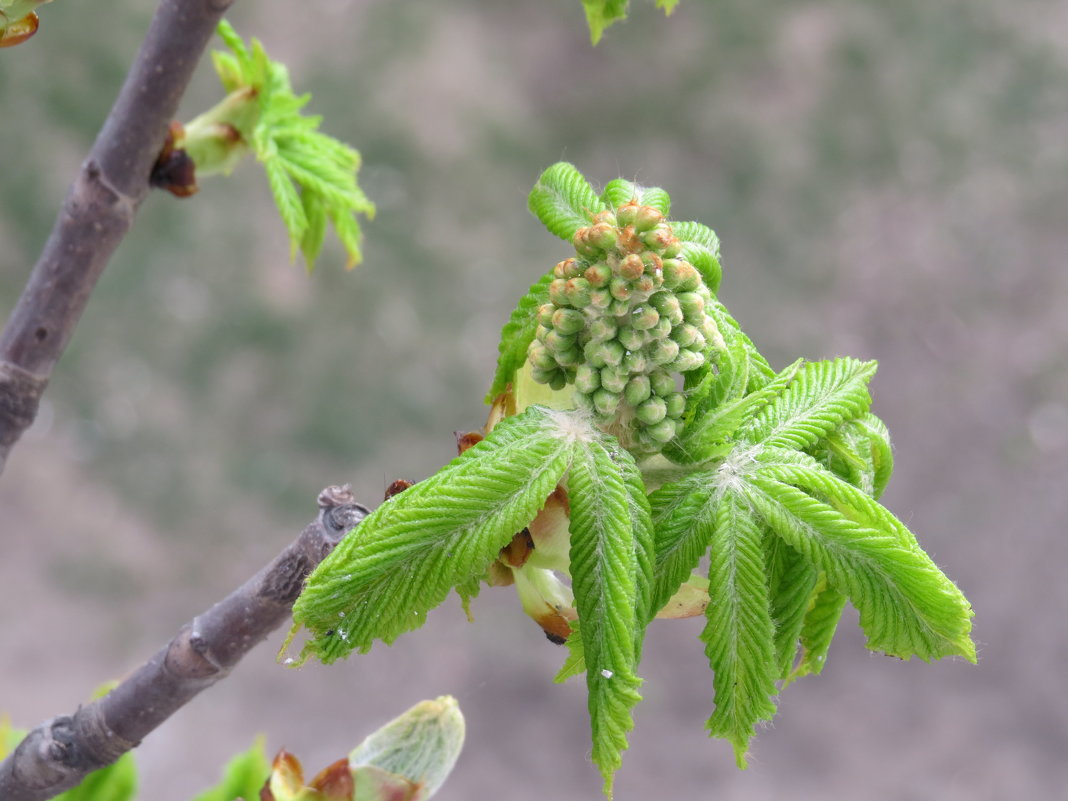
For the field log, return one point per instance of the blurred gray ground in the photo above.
(889, 181)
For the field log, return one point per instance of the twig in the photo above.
(60, 752)
(99, 208)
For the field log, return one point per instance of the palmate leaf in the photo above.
(610, 580)
(517, 335)
(821, 620)
(620, 191)
(791, 582)
(739, 635)
(406, 556)
(700, 247)
(820, 397)
(684, 516)
(907, 606)
(563, 200)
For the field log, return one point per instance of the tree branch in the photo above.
(60, 752)
(99, 208)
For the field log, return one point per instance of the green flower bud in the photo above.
(668, 306)
(647, 218)
(543, 375)
(545, 314)
(631, 338)
(587, 379)
(676, 405)
(687, 360)
(643, 287)
(711, 333)
(614, 379)
(577, 292)
(602, 235)
(605, 402)
(687, 335)
(654, 265)
(661, 330)
(568, 268)
(664, 431)
(663, 352)
(568, 321)
(637, 390)
(627, 213)
(583, 245)
(619, 308)
(541, 332)
(557, 342)
(680, 276)
(598, 274)
(635, 362)
(605, 216)
(631, 267)
(603, 329)
(620, 288)
(660, 238)
(540, 357)
(569, 357)
(663, 383)
(600, 299)
(644, 317)
(693, 307)
(672, 248)
(651, 411)
(600, 354)
(557, 292)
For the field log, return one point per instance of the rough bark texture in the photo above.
(99, 208)
(60, 752)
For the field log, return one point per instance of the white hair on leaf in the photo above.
(573, 425)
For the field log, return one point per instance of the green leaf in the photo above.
(739, 635)
(711, 435)
(820, 397)
(575, 663)
(602, 13)
(517, 335)
(667, 5)
(791, 581)
(700, 247)
(821, 621)
(760, 372)
(619, 192)
(563, 200)
(605, 578)
(409, 553)
(116, 782)
(683, 516)
(243, 777)
(907, 606)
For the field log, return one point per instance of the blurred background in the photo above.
(889, 181)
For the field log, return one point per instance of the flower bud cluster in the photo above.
(625, 315)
